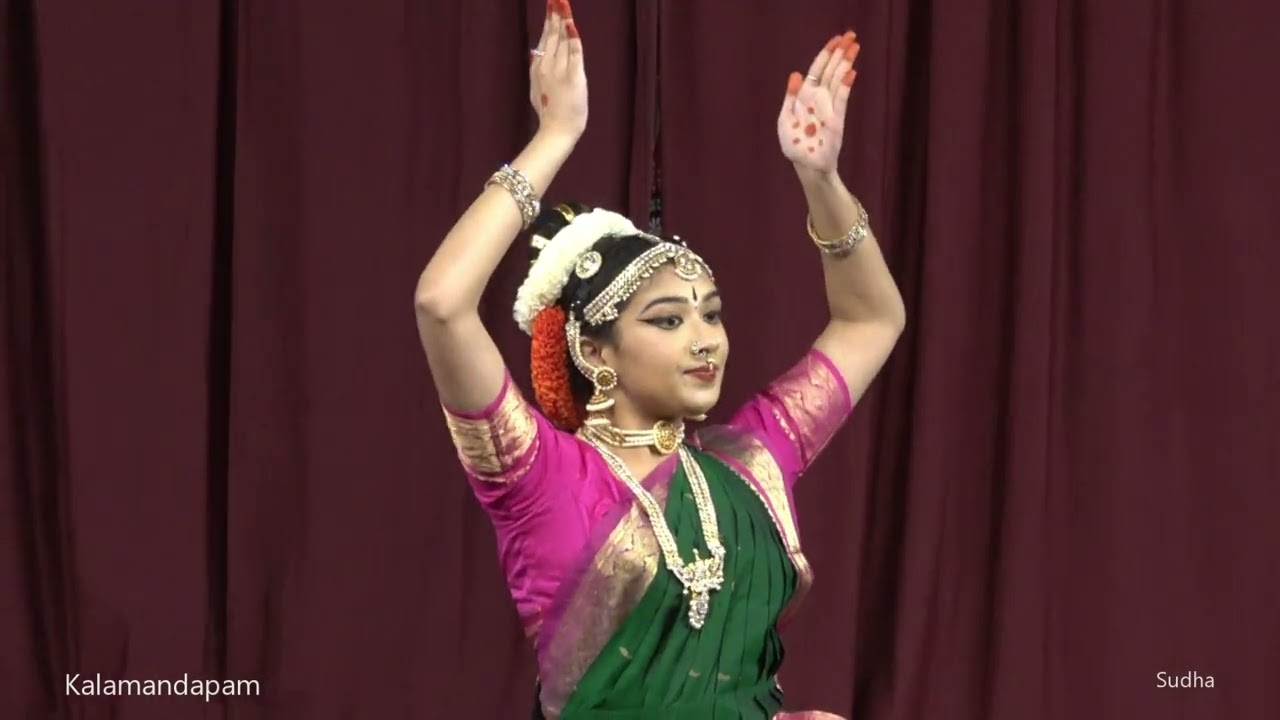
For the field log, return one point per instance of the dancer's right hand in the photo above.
(557, 79)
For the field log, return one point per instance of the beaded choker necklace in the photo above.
(664, 437)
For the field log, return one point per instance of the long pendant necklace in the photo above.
(701, 575)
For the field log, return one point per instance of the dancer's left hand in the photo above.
(811, 123)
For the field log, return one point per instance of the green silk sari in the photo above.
(656, 664)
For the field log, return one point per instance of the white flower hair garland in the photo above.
(550, 272)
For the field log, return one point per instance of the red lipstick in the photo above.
(705, 373)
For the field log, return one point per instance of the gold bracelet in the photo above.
(844, 245)
(514, 182)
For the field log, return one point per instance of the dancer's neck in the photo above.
(643, 459)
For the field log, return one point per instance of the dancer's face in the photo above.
(660, 377)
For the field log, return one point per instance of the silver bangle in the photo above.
(514, 182)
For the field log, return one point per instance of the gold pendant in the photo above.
(665, 437)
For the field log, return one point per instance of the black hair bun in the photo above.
(551, 220)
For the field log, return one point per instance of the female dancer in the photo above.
(650, 568)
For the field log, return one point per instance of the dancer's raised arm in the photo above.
(465, 364)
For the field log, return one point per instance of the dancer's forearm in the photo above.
(867, 311)
(454, 280)
(860, 287)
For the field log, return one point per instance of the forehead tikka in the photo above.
(688, 266)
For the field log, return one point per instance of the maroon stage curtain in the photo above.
(227, 457)
(222, 454)
(1065, 481)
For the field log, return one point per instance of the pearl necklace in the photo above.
(664, 437)
(701, 575)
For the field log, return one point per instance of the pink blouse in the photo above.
(545, 490)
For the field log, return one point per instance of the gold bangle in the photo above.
(514, 182)
(847, 243)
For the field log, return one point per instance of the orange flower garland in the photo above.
(550, 369)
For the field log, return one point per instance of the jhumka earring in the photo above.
(604, 379)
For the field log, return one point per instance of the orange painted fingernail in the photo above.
(553, 8)
(831, 44)
(570, 29)
(565, 9)
(847, 80)
(794, 81)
